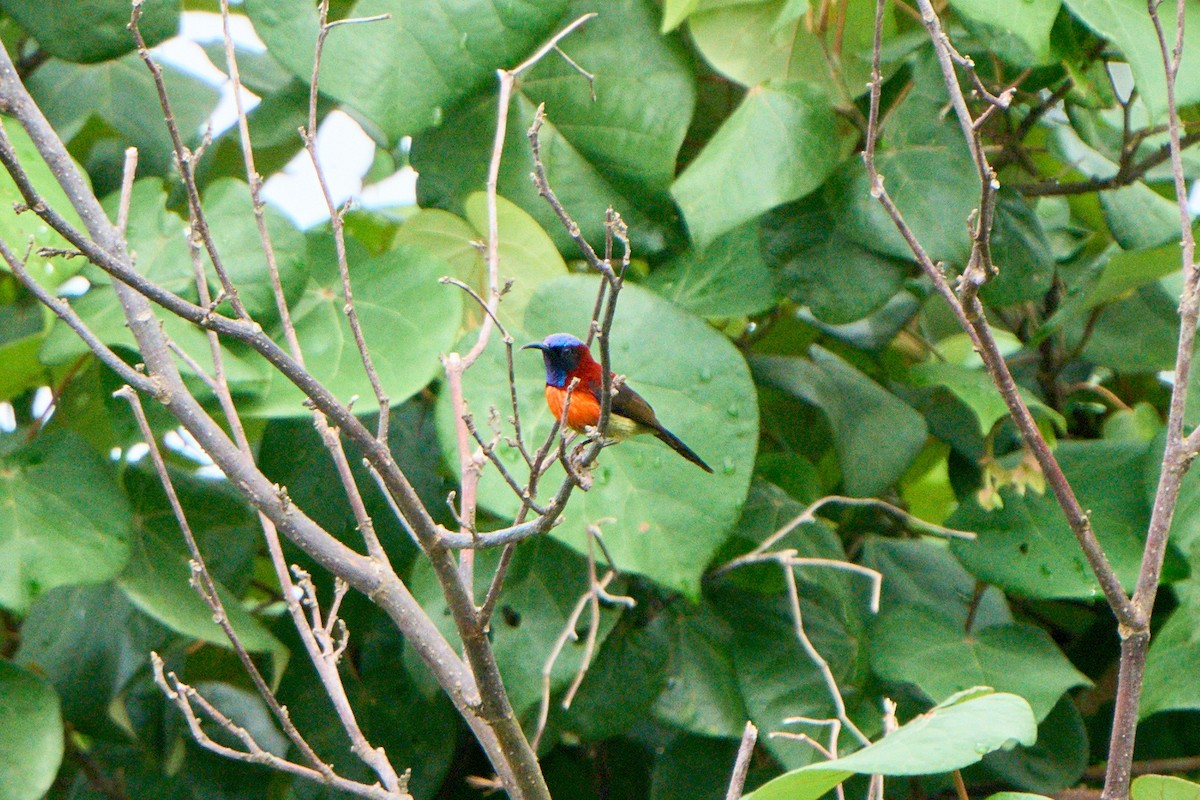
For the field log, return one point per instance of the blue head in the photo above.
(561, 353)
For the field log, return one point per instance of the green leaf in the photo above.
(933, 184)
(1138, 423)
(92, 30)
(123, 95)
(451, 161)
(408, 319)
(702, 693)
(225, 526)
(726, 279)
(918, 645)
(65, 521)
(19, 229)
(230, 213)
(923, 572)
(1139, 333)
(157, 239)
(779, 145)
(245, 708)
(633, 126)
(618, 150)
(839, 280)
(101, 310)
(633, 666)
(1138, 217)
(1163, 787)
(1029, 21)
(31, 734)
(291, 454)
(1027, 548)
(1055, 762)
(412, 728)
(701, 390)
(258, 71)
(156, 236)
(273, 125)
(974, 387)
(402, 72)
(157, 581)
(1020, 251)
(1185, 521)
(1128, 26)
(450, 238)
(952, 735)
(528, 256)
(762, 40)
(1125, 271)
(543, 586)
(22, 369)
(697, 768)
(876, 434)
(1175, 645)
(777, 678)
(675, 12)
(88, 642)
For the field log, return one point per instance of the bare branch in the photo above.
(971, 317)
(1179, 450)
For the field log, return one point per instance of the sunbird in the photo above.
(568, 359)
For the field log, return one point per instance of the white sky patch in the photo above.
(42, 399)
(74, 286)
(345, 151)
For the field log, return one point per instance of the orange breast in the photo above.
(583, 411)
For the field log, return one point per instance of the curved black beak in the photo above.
(534, 346)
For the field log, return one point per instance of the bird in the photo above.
(568, 359)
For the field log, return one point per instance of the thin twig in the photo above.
(186, 698)
(67, 314)
(206, 587)
(809, 515)
(336, 222)
(741, 765)
(835, 693)
(185, 164)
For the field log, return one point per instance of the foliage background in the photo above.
(777, 324)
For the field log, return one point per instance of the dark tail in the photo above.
(672, 441)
